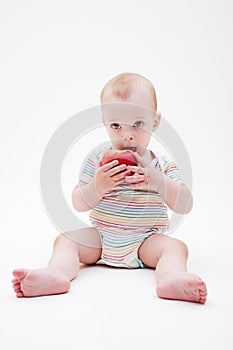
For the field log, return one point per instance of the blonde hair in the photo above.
(123, 84)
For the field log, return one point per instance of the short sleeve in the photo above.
(91, 164)
(172, 170)
(88, 168)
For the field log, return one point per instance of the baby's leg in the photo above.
(169, 257)
(62, 267)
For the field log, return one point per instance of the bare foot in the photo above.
(182, 286)
(32, 283)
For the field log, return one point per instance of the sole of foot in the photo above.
(182, 286)
(38, 282)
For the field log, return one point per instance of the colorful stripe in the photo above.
(125, 217)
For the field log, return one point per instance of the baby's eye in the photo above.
(138, 123)
(115, 126)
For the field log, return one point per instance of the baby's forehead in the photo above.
(125, 119)
(126, 112)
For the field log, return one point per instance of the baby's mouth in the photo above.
(134, 149)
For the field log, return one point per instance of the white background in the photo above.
(55, 58)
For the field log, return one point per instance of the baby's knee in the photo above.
(179, 245)
(89, 255)
(62, 239)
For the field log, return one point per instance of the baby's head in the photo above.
(129, 107)
(132, 88)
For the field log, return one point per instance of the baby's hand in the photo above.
(110, 175)
(144, 176)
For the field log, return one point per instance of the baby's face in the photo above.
(130, 123)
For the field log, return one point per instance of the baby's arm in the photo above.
(86, 196)
(176, 195)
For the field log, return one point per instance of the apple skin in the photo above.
(123, 156)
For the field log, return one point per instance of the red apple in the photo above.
(125, 156)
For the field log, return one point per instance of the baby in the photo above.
(128, 205)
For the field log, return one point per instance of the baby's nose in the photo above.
(128, 136)
(128, 133)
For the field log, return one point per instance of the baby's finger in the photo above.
(135, 169)
(135, 179)
(121, 176)
(117, 169)
(108, 166)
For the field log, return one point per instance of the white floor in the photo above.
(108, 307)
(56, 57)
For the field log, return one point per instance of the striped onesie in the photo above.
(125, 217)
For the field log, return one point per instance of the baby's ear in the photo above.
(157, 118)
